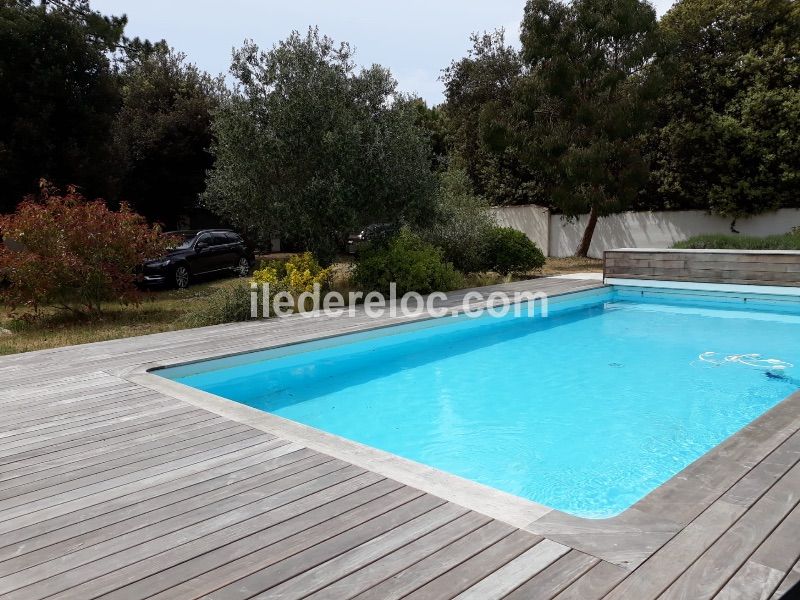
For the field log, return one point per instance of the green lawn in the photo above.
(159, 311)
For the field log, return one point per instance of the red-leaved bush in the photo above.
(62, 250)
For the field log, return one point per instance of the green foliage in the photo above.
(433, 122)
(461, 223)
(730, 111)
(163, 131)
(59, 96)
(511, 251)
(227, 304)
(311, 149)
(788, 241)
(479, 93)
(61, 250)
(407, 260)
(583, 105)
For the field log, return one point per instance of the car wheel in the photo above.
(181, 277)
(242, 267)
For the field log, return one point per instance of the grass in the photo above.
(788, 241)
(573, 264)
(160, 311)
(171, 310)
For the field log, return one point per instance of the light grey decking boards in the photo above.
(112, 490)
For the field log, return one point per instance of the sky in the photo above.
(416, 39)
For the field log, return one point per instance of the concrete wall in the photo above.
(638, 229)
(532, 220)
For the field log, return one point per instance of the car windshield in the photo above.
(181, 241)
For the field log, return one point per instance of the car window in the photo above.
(235, 238)
(183, 241)
(220, 238)
(206, 239)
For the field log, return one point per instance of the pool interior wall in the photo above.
(585, 411)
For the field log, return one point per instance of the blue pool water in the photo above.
(586, 411)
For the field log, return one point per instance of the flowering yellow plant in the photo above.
(266, 275)
(304, 271)
(298, 274)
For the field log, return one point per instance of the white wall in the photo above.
(660, 229)
(532, 220)
(636, 229)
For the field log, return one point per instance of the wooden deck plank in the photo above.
(711, 571)
(402, 558)
(72, 489)
(9, 524)
(770, 563)
(471, 571)
(595, 583)
(149, 497)
(753, 580)
(119, 462)
(256, 584)
(128, 558)
(140, 433)
(55, 434)
(50, 425)
(136, 421)
(412, 578)
(351, 552)
(555, 578)
(22, 416)
(149, 514)
(792, 580)
(225, 565)
(291, 530)
(781, 550)
(32, 470)
(513, 574)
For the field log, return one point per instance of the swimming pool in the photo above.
(585, 411)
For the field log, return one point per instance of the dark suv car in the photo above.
(199, 253)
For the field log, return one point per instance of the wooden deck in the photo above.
(112, 490)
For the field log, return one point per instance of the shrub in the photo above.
(511, 251)
(228, 304)
(461, 223)
(72, 253)
(788, 241)
(408, 260)
(298, 274)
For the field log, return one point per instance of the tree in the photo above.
(162, 132)
(461, 222)
(433, 121)
(73, 254)
(479, 93)
(729, 116)
(582, 106)
(307, 147)
(59, 95)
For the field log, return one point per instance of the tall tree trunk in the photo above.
(586, 241)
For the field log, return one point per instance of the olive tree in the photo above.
(310, 147)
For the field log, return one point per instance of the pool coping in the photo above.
(626, 540)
